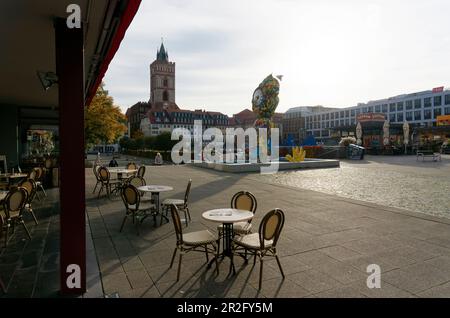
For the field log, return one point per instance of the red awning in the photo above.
(125, 21)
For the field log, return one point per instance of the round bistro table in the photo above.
(155, 190)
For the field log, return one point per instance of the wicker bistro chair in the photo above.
(31, 187)
(264, 242)
(181, 204)
(111, 185)
(39, 177)
(242, 200)
(132, 165)
(199, 241)
(139, 182)
(141, 171)
(32, 174)
(13, 206)
(97, 177)
(134, 207)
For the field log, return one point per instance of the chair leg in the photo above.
(185, 217)
(34, 216)
(26, 229)
(173, 257)
(123, 223)
(100, 191)
(279, 265)
(206, 253)
(43, 190)
(95, 188)
(179, 267)
(260, 270)
(254, 259)
(188, 213)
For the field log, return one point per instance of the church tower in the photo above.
(162, 80)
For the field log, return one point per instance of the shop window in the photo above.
(437, 112)
(427, 114)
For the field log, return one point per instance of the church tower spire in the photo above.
(161, 54)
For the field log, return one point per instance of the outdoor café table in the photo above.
(13, 177)
(121, 171)
(227, 217)
(155, 190)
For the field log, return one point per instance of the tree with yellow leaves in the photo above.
(104, 123)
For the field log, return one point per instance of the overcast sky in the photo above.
(331, 53)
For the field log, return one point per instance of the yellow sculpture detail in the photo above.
(298, 155)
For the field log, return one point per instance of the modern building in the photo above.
(293, 122)
(419, 109)
(247, 118)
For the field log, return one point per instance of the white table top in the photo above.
(15, 175)
(155, 188)
(227, 215)
(121, 170)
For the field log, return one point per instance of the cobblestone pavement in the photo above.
(400, 182)
(325, 247)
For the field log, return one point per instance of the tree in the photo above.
(164, 141)
(103, 121)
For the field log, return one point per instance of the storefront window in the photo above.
(427, 114)
(392, 118)
(447, 111)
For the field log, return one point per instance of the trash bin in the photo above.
(355, 152)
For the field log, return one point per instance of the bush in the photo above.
(345, 141)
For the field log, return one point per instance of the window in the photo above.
(165, 83)
(336, 123)
(332, 115)
(427, 102)
(392, 118)
(332, 124)
(347, 113)
(437, 112)
(165, 96)
(392, 107)
(341, 114)
(347, 122)
(408, 105)
(399, 106)
(437, 100)
(399, 117)
(417, 115)
(417, 103)
(352, 113)
(408, 116)
(364, 110)
(377, 108)
(341, 122)
(447, 111)
(447, 99)
(327, 116)
(427, 114)
(384, 108)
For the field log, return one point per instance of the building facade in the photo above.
(135, 114)
(162, 79)
(419, 109)
(293, 122)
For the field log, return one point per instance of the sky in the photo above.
(330, 53)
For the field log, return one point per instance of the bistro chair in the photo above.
(97, 177)
(264, 242)
(200, 241)
(242, 200)
(141, 171)
(107, 183)
(138, 182)
(181, 204)
(31, 187)
(13, 206)
(131, 166)
(32, 174)
(38, 179)
(133, 206)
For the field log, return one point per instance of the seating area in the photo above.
(429, 153)
(234, 232)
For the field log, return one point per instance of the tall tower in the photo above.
(162, 80)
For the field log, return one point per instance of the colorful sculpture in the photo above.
(265, 101)
(298, 155)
